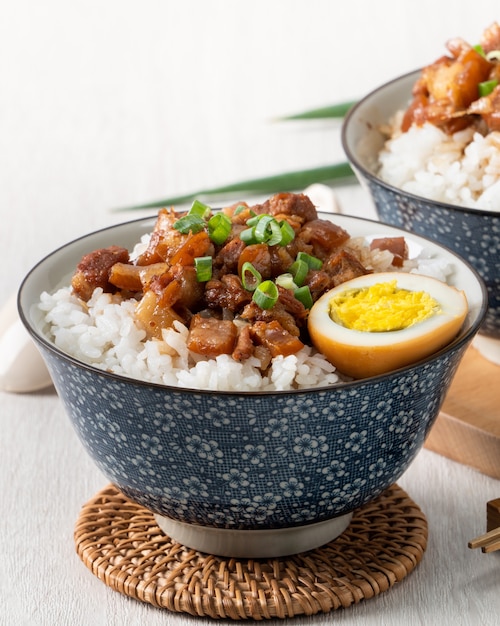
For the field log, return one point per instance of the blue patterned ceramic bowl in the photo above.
(472, 233)
(249, 474)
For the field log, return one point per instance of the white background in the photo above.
(108, 103)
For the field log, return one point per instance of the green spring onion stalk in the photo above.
(327, 112)
(286, 281)
(265, 228)
(250, 276)
(266, 295)
(203, 266)
(486, 87)
(303, 294)
(299, 270)
(287, 233)
(189, 223)
(337, 174)
(200, 209)
(248, 236)
(219, 228)
(313, 263)
(334, 175)
(262, 227)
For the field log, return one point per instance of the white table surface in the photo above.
(106, 104)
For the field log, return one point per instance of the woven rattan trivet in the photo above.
(121, 544)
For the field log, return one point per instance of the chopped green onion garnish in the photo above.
(189, 223)
(274, 236)
(219, 228)
(266, 295)
(487, 87)
(265, 228)
(303, 294)
(248, 236)
(254, 220)
(254, 280)
(239, 209)
(287, 233)
(493, 55)
(203, 266)
(262, 228)
(299, 270)
(479, 49)
(286, 281)
(199, 209)
(312, 262)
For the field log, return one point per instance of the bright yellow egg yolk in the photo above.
(381, 307)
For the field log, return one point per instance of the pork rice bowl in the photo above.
(445, 145)
(182, 307)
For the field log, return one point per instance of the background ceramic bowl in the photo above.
(249, 474)
(472, 233)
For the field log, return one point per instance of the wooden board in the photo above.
(468, 428)
(493, 514)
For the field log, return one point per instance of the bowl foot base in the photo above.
(121, 543)
(254, 544)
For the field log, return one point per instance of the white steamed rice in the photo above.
(461, 169)
(104, 333)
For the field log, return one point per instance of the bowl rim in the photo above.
(351, 156)
(465, 336)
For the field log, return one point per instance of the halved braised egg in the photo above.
(376, 323)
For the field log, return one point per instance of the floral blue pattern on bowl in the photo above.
(472, 233)
(267, 460)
